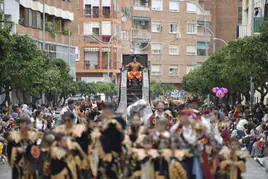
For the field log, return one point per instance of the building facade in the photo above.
(174, 35)
(253, 15)
(98, 40)
(27, 16)
(177, 35)
(224, 19)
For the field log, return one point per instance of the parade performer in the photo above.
(134, 68)
(110, 149)
(233, 161)
(79, 142)
(23, 151)
(157, 115)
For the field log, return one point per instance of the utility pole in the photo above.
(252, 17)
(251, 93)
(44, 25)
(251, 79)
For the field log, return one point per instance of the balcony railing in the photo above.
(258, 21)
(96, 13)
(89, 13)
(141, 33)
(89, 66)
(90, 39)
(142, 8)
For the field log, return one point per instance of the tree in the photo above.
(27, 69)
(157, 89)
(232, 67)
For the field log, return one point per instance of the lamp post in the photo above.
(44, 25)
(215, 38)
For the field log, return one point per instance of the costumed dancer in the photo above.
(22, 150)
(233, 162)
(110, 149)
(74, 142)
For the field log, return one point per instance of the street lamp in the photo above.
(215, 38)
(44, 25)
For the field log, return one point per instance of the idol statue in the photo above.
(133, 70)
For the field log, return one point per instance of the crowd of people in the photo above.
(90, 140)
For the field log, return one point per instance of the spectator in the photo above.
(70, 108)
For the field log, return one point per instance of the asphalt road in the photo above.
(254, 171)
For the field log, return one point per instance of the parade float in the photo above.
(134, 90)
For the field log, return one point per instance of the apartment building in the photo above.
(61, 31)
(173, 33)
(100, 56)
(224, 19)
(253, 16)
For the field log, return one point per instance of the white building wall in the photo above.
(12, 12)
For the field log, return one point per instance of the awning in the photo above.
(141, 41)
(202, 45)
(51, 10)
(203, 23)
(92, 49)
(147, 19)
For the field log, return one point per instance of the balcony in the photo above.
(37, 34)
(91, 39)
(83, 67)
(92, 13)
(258, 21)
(141, 34)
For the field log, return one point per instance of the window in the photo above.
(91, 59)
(202, 48)
(191, 29)
(157, 5)
(51, 49)
(173, 50)
(191, 50)
(156, 70)
(91, 28)
(174, 6)
(191, 8)
(155, 48)
(88, 9)
(106, 27)
(91, 8)
(173, 28)
(156, 27)
(106, 12)
(173, 70)
(39, 19)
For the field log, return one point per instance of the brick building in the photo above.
(173, 34)
(27, 16)
(99, 25)
(224, 18)
(170, 32)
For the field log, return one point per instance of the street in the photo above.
(254, 171)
